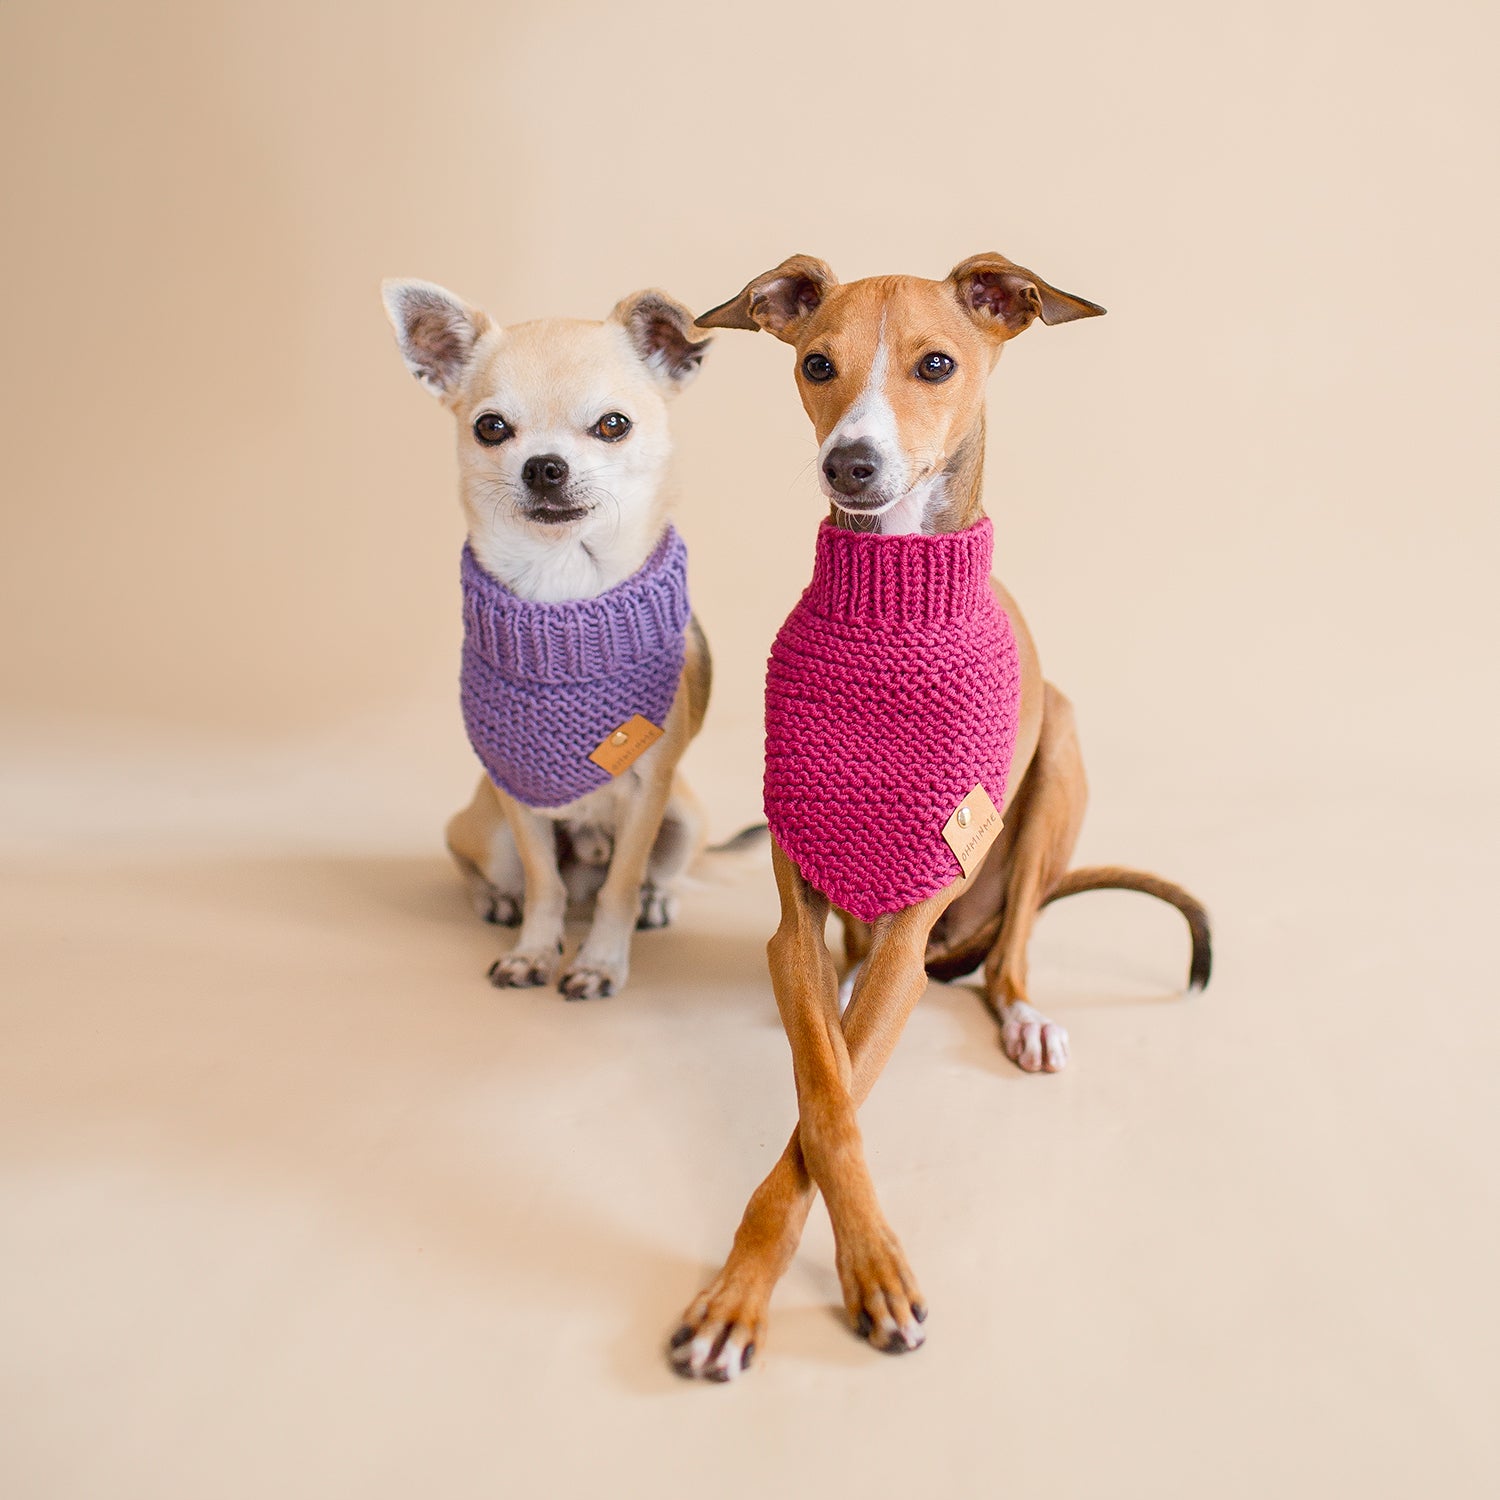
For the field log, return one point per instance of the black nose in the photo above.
(852, 467)
(543, 472)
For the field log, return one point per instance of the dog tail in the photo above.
(747, 838)
(1118, 878)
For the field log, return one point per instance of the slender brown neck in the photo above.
(961, 502)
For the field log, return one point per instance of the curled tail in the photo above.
(965, 955)
(1118, 878)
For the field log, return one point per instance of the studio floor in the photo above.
(296, 1204)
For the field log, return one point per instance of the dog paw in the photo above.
(499, 909)
(1031, 1041)
(657, 909)
(588, 982)
(522, 971)
(881, 1295)
(719, 1332)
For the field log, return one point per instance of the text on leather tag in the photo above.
(619, 751)
(971, 830)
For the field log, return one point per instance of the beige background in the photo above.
(293, 1203)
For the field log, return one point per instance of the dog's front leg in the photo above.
(721, 1328)
(602, 963)
(534, 958)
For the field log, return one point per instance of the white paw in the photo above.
(521, 971)
(495, 906)
(721, 1352)
(657, 909)
(590, 981)
(1031, 1041)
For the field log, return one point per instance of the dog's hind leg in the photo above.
(1048, 825)
(483, 848)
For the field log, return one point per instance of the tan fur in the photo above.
(662, 830)
(550, 382)
(940, 427)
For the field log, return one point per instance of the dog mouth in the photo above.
(859, 507)
(555, 513)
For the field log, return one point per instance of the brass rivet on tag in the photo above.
(618, 737)
(962, 817)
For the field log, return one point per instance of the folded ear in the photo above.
(661, 329)
(1004, 298)
(436, 331)
(780, 301)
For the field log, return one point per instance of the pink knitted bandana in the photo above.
(893, 688)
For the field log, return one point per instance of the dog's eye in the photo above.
(818, 368)
(612, 426)
(491, 429)
(935, 367)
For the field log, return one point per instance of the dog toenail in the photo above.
(747, 1356)
(919, 1311)
(681, 1337)
(865, 1325)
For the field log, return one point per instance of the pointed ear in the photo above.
(780, 301)
(661, 329)
(435, 330)
(1004, 298)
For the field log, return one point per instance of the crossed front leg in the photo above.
(836, 1064)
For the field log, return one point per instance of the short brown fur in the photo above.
(988, 919)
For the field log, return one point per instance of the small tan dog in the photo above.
(563, 445)
(892, 372)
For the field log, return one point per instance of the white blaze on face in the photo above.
(871, 419)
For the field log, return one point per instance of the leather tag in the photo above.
(619, 751)
(971, 830)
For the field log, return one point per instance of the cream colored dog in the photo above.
(563, 445)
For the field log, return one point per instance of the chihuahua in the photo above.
(585, 674)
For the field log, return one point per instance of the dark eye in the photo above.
(612, 426)
(935, 367)
(491, 429)
(818, 368)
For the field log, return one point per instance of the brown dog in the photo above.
(892, 372)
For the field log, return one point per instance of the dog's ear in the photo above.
(435, 330)
(779, 301)
(661, 329)
(1004, 298)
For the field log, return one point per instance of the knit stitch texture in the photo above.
(543, 684)
(893, 687)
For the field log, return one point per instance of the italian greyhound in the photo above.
(892, 371)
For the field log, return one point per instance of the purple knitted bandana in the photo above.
(545, 684)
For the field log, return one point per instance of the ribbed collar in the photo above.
(863, 577)
(582, 640)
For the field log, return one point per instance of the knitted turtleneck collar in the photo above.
(913, 579)
(893, 689)
(544, 684)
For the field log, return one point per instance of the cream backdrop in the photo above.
(1250, 515)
